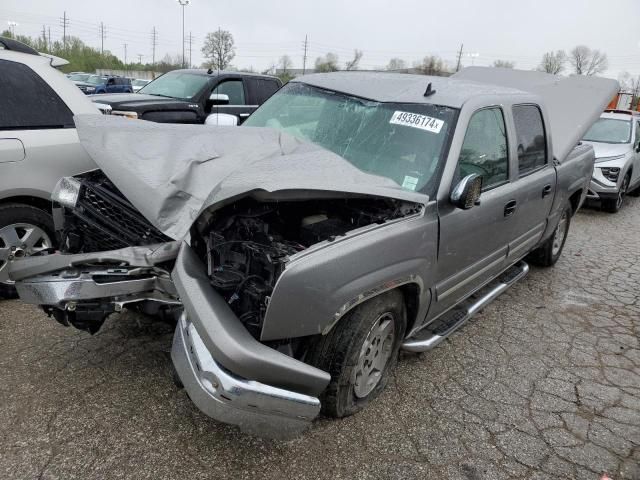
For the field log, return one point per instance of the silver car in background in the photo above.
(615, 137)
(38, 145)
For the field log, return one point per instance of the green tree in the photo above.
(328, 63)
(219, 49)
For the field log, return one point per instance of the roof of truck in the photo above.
(404, 87)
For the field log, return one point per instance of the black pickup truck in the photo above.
(193, 95)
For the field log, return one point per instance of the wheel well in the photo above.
(411, 294)
(575, 200)
(37, 202)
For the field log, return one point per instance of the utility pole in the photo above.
(183, 3)
(304, 57)
(44, 37)
(459, 57)
(154, 42)
(102, 33)
(125, 56)
(190, 45)
(49, 43)
(65, 24)
(140, 58)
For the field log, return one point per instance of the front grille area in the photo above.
(104, 220)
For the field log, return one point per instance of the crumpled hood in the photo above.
(609, 149)
(170, 173)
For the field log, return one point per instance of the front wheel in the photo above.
(547, 254)
(359, 353)
(24, 231)
(613, 205)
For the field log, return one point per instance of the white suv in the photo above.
(615, 137)
(38, 145)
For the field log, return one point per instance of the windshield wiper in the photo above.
(160, 95)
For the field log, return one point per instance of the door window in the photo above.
(266, 88)
(532, 144)
(28, 102)
(484, 150)
(233, 89)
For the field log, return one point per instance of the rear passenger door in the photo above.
(38, 139)
(536, 180)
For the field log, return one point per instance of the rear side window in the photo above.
(531, 141)
(234, 89)
(484, 150)
(26, 101)
(265, 89)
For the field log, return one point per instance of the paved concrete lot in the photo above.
(544, 384)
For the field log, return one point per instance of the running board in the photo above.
(450, 321)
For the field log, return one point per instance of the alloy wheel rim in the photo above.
(374, 355)
(623, 190)
(558, 236)
(20, 240)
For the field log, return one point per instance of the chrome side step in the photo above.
(450, 321)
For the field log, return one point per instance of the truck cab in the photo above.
(193, 95)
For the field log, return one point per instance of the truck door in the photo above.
(473, 243)
(238, 105)
(535, 183)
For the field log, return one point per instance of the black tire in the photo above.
(339, 351)
(613, 205)
(546, 255)
(21, 213)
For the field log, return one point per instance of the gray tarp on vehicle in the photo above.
(572, 103)
(172, 172)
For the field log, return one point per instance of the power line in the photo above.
(65, 24)
(459, 57)
(304, 58)
(154, 42)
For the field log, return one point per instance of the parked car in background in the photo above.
(78, 77)
(138, 83)
(352, 215)
(190, 96)
(115, 84)
(88, 83)
(38, 144)
(615, 137)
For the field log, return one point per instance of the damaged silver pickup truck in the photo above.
(353, 215)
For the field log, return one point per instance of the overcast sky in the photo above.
(515, 30)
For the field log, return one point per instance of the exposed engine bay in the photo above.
(247, 245)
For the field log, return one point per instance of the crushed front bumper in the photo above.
(256, 408)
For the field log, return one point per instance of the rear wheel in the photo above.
(613, 205)
(359, 353)
(24, 231)
(549, 252)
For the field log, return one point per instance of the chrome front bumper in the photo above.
(258, 409)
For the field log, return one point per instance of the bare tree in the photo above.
(353, 63)
(396, 64)
(328, 63)
(285, 63)
(588, 62)
(504, 64)
(219, 49)
(553, 62)
(431, 65)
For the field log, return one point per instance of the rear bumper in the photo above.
(256, 408)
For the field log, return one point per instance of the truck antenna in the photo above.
(430, 91)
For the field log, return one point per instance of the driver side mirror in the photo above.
(219, 99)
(467, 192)
(638, 148)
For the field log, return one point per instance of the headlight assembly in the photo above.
(608, 159)
(66, 192)
(132, 115)
(611, 173)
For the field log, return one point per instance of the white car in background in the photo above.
(38, 145)
(615, 137)
(138, 83)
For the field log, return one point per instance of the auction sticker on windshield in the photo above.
(416, 120)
